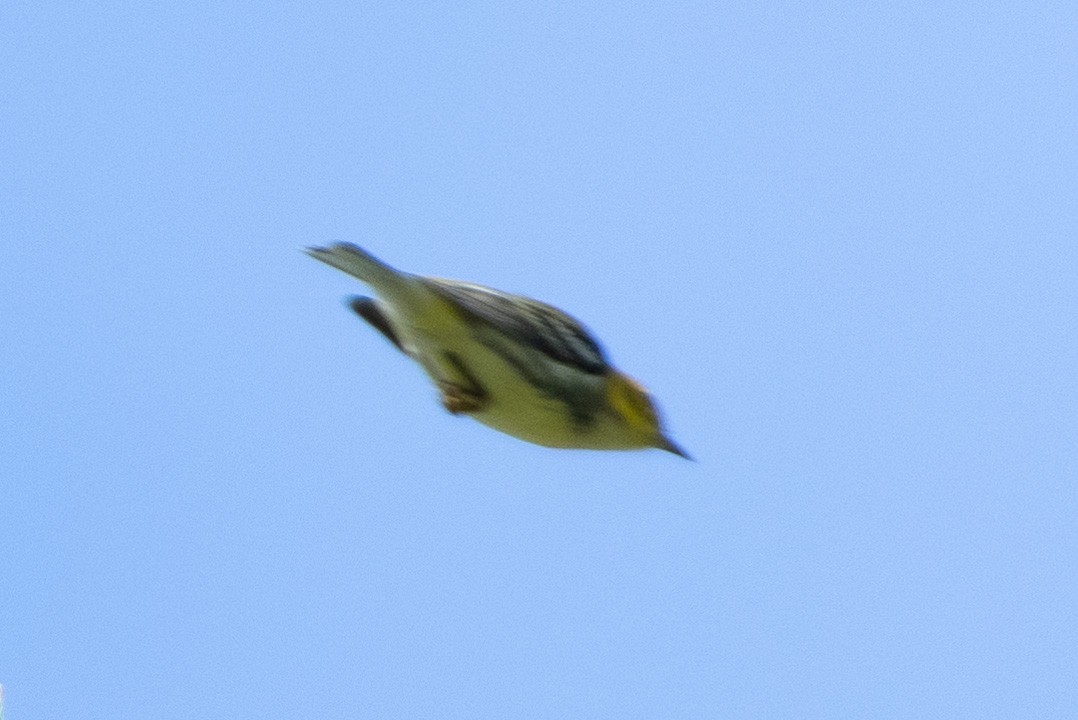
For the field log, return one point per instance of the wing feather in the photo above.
(536, 324)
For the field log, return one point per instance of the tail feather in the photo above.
(359, 264)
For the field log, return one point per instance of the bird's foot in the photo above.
(458, 399)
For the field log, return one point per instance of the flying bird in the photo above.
(515, 364)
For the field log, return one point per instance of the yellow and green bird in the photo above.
(515, 364)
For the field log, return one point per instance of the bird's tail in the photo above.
(360, 264)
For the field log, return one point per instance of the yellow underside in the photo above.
(513, 406)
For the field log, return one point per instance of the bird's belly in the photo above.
(513, 405)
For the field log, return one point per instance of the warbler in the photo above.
(515, 364)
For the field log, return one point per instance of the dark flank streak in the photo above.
(580, 409)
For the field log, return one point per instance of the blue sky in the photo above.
(837, 243)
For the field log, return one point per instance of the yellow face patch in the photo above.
(632, 404)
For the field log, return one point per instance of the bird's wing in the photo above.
(530, 322)
(370, 310)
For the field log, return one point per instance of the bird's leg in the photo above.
(461, 397)
(458, 399)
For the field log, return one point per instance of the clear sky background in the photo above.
(839, 244)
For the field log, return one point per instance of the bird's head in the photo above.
(633, 406)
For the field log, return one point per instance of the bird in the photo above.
(517, 365)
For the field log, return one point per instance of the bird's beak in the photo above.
(669, 445)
